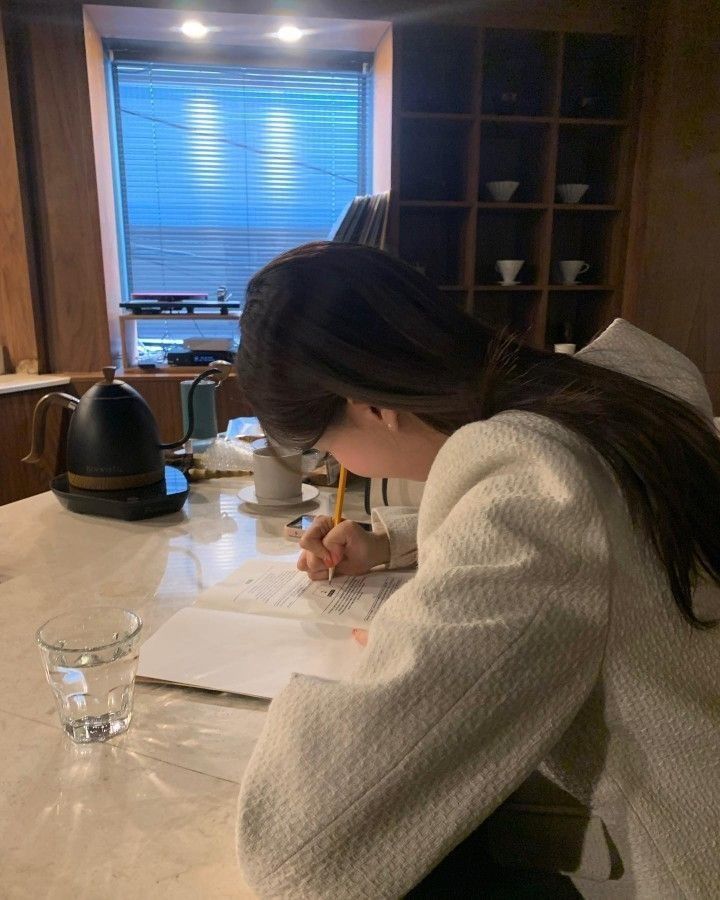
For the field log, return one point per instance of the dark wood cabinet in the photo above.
(543, 109)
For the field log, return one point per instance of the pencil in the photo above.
(337, 514)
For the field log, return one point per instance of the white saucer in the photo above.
(247, 495)
(509, 283)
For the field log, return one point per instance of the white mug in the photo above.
(508, 269)
(502, 191)
(278, 473)
(571, 268)
(568, 349)
(572, 193)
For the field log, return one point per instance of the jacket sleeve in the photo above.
(400, 524)
(473, 671)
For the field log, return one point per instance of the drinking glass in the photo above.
(90, 658)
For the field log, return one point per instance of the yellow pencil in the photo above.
(337, 515)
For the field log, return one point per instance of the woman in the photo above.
(561, 617)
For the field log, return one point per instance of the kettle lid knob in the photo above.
(109, 373)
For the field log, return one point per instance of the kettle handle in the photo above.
(218, 372)
(40, 415)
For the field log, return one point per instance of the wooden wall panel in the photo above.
(105, 188)
(18, 338)
(382, 114)
(62, 180)
(18, 479)
(675, 289)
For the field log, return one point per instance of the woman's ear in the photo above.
(389, 418)
(363, 413)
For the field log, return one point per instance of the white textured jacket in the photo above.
(538, 633)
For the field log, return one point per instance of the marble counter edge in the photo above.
(15, 384)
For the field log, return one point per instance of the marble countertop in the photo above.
(152, 812)
(13, 384)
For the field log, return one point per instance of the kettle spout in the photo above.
(39, 416)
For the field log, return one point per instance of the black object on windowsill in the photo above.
(180, 307)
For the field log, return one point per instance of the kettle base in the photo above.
(160, 499)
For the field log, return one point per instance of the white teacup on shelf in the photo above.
(502, 191)
(571, 268)
(508, 270)
(572, 193)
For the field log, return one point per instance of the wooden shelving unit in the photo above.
(477, 105)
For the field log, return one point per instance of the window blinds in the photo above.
(221, 167)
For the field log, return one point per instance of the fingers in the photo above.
(336, 540)
(319, 575)
(345, 546)
(312, 541)
(313, 565)
(361, 636)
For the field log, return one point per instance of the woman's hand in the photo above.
(347, 546)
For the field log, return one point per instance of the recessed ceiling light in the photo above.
(289, 33)
(193, 29)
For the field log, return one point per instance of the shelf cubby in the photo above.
(582, 236)
(434, 159)
(456, 295)
(494, 204)
(515, 310)
(586, 207)
(438, 68)
(517, 72)
(515, 151)
(591, 156)
(433, 241)
(508, 234)
(595, 76)
(577, 316)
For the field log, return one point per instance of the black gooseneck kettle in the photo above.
(113, 442)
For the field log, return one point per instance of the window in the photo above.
(220, 168)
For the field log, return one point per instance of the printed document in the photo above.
(279, 589)
(251, 632)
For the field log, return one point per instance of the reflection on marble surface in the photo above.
(151, 813)
(94, 821)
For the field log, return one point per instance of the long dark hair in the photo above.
(326, 321)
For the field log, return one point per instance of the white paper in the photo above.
(280, 590)
(245, 654)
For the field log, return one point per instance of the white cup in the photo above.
(571, 268)
(278, 473)
(568, 349)
(508, 269)
(572, 193)
(502, 191)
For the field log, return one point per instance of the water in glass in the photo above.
(90, 658)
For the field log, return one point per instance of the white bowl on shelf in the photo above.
(502, 191)
(572, 193)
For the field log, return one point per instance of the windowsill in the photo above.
(159, 372)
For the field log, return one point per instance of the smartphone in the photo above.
(295, 529)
